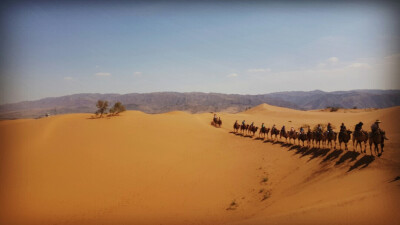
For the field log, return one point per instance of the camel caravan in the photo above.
(318, 136)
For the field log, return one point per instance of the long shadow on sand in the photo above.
(298, 149)
(316, 152)
(333, 155)
(348, 155)
(363, 162)
(395, 179)
(313, 152)
(240, 134)
(278, 142)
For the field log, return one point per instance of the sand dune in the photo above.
(175, 168)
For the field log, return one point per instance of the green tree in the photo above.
(117, 108)
(101, 107)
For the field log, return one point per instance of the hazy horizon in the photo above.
(58, 49)
(188, 92)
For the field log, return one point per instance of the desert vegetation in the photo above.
(102, 107)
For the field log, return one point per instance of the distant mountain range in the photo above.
(196, 102)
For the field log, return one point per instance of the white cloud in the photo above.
(233, 75)
(137, 73)
(102, 74)
(259, 70)
(333, 60)
(68, 78)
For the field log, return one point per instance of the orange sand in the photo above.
(175, 168)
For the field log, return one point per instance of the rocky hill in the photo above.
(196, 102)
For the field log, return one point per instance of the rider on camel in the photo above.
(319, 128)
(301, 130)
(375, 128)
(342, 128)
(283, 130)
(243, 122)
(292, 130)
(329, 127)
(359, 126)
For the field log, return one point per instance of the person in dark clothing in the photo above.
(342, 127)
(376, 129)
(329, 128)
(301, 130)
(283, 129)
(359, 126)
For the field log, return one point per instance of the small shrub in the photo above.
(334, 109)
(264, 180)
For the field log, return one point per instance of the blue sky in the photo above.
(55, 50)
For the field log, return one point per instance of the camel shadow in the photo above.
(333, 155)
(294, 147)
(363, 162)
(286, 144)
(268, 141)
(247, 136)
(395, 179)
(348, 155)
(232, 132)
(319, 152)
(278, 142)
(259, 138)
(239, 134)
(299, 150)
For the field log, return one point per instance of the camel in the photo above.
(249, 129)
(344, 136)
(331, 137)
(253, 130)
(243, 128)
(310, 138)
(283, 134)
(376, 139)
(275, 132)
(318, 137)
(302, 137)
(293, 135)
(358, 137)
(236, 127)
(263, 131)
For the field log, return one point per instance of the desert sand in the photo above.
(175, 168)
